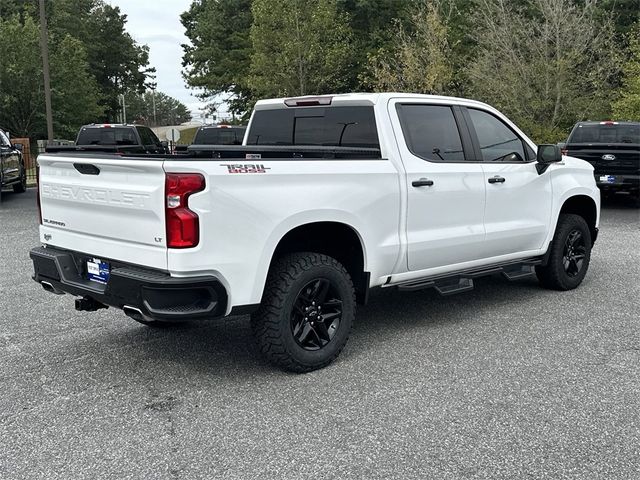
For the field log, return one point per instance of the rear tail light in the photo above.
(183, 228)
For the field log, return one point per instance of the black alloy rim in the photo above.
(575, 251)
(316, 314)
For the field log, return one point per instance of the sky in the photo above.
(156, 23)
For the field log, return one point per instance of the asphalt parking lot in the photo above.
(507, 381)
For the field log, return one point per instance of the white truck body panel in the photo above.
(116, 214)
(406, 232)
(242, 220)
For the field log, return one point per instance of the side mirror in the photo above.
(165, 145)
(548, 154)
(18, 146)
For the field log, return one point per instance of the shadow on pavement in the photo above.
(226, 346)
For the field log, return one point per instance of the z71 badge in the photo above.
(245, 168)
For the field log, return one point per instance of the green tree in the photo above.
(169, 111)
(623, 13)
(300, 47)
(116, 61)
(373, 23)
(218, 60)
(74, 92)
(420, 60)
(75, 95)
(627, 106)
(546, 65)
(21, 96)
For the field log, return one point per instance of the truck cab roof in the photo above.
(358, 98)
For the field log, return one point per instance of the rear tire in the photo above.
(306, 313)
(570, 254)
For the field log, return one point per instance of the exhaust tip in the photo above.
(136, 314)
(50, 288)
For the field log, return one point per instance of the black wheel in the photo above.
(306, 313)
(22, 186)
(570, 254)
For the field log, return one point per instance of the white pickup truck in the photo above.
(327, 198)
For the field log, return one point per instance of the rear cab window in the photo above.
(606, 132)
(219, 136)
(334, 126)
(107, 136)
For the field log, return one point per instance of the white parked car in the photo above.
(327, 198)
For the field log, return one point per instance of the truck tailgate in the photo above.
(105, 207)
(611, 159)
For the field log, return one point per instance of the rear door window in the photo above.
(320, 126)
(431, 132)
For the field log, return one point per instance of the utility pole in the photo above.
(44, 46)
(124, 109)
(153, 100)
(152, 85)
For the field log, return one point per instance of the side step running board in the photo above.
(463, 281)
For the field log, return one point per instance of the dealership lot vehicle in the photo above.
(120, 137)
(12, 169)
(506, 381)
(613, 148)
(329, 197)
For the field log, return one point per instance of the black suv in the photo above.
(122, 137)
(12, 170)
(613, 148)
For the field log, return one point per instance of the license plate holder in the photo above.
(607, 179)
(98, 271)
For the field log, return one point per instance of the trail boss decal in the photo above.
(245, 168)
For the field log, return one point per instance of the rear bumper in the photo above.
(141, 292)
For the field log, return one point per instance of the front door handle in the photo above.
(497, 179)
(423, 182)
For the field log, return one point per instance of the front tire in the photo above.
(306, 313)
(570, 254)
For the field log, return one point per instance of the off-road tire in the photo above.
(553, 275)
(272, 322)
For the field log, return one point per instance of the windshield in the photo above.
(107, 136)
(219, 136)
(606, 133)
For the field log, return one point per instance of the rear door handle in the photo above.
(497, 179)
(423, 182)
